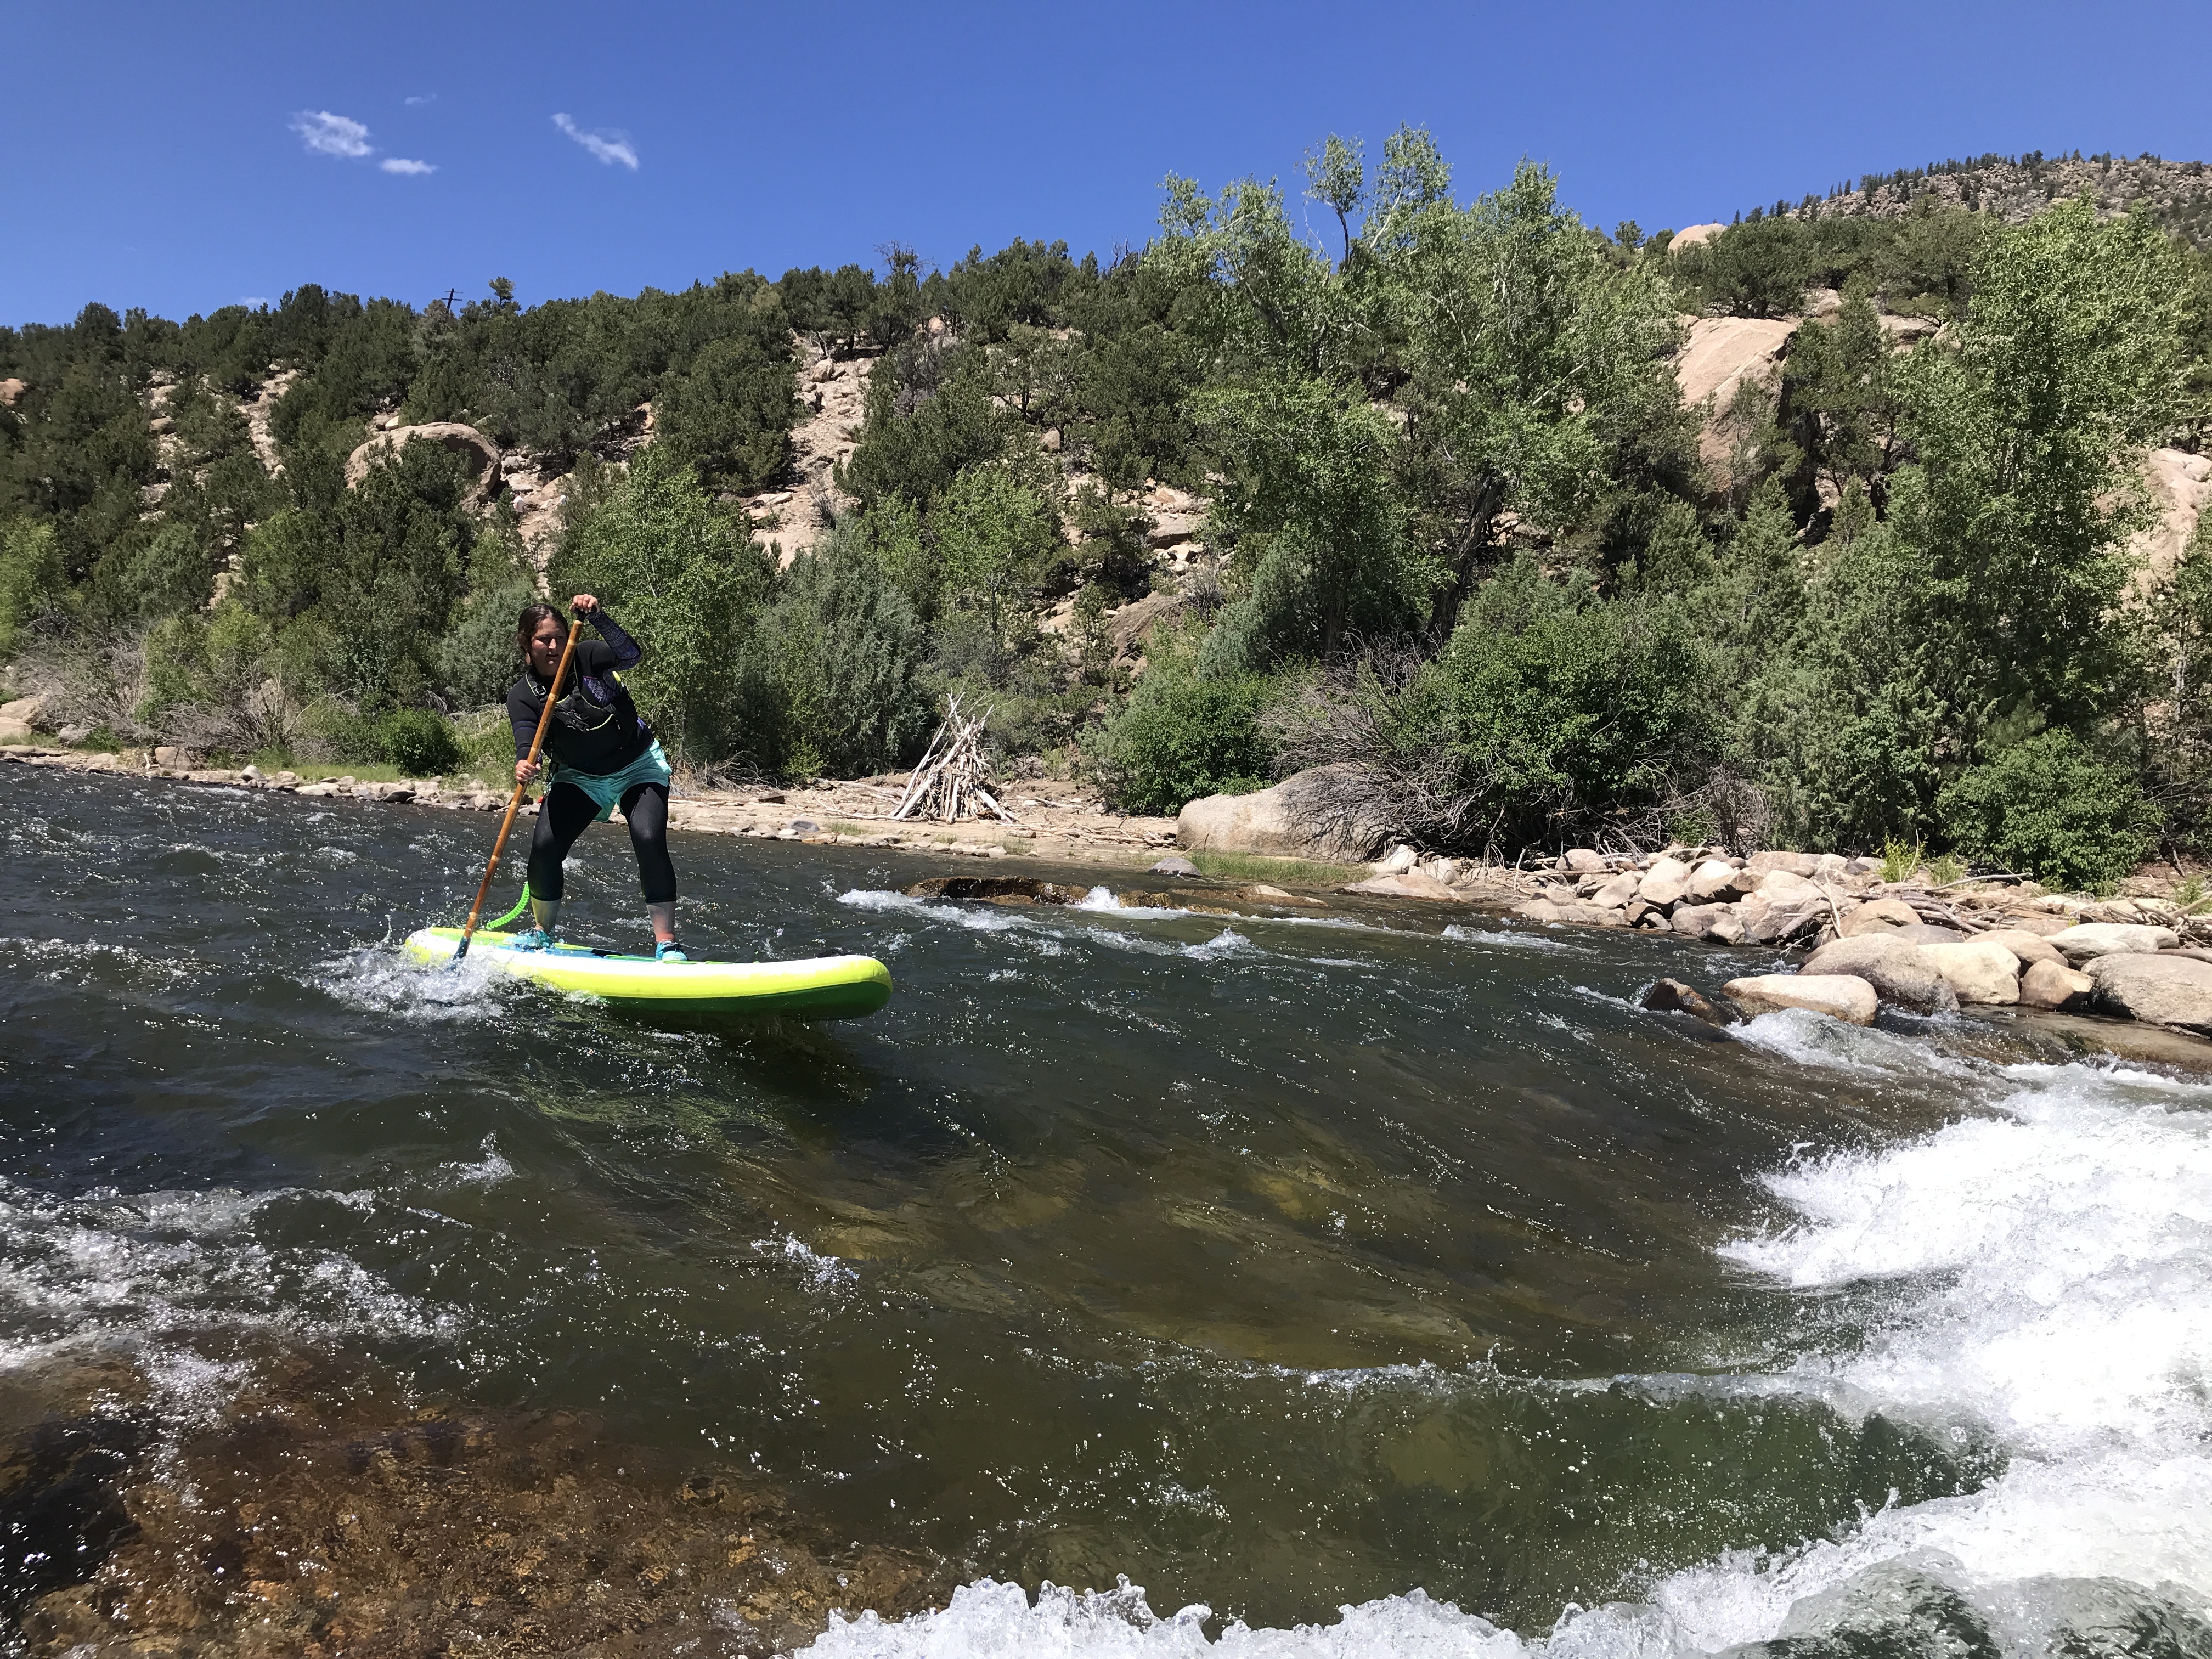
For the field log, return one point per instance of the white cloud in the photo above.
(331, 135)
(422, 98)
(609, 147)
(398, 164)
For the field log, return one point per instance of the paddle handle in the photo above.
(514, 801)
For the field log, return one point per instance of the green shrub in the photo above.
(417, 742)
(476, 660)
(32, 583)
(1180, 737)
(833, 670)
(2049, 807)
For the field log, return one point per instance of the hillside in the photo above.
(1641, 539)
(2015, 188)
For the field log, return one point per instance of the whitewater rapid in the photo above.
(2034, 1277)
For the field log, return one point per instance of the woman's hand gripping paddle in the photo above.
(514, 804)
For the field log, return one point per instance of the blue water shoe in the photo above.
(535, 939)
(668, 950)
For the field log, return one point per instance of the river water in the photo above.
(1354, 1286)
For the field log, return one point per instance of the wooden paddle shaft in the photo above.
(514, 804)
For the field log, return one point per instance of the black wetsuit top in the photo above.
(595, 727)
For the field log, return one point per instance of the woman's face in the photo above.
(546, 647)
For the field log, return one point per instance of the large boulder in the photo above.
(32, 711)
(1788, 887)
(480, 454)
(1406, 883)
(2172, 991)
(1583, 860)
(1843, 996)
(1665, 882)
(1980, 971)
(1296, 819)
(1877, 914)
(1718, 882)
(1896, 968)
(1614, 895)
(1718, 922)
(1765, 864)
(2105, 939)
(2028, 947)
(2053, 985)
(1767, 921)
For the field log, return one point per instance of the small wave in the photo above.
(974, 917)
(1514, 939)
(1811, 1039)
(820, 1273)
(493, 1169)
(988, 1617)
(140, 1271)
(1226, 943)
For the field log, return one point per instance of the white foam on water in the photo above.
(1817, 1040)
(1514, 939)
(489, 1172)
(145, 1272)
(2043, 1267)
(989, 1618)
(382, 979)
(974, 917)
(1041, 936)
(1226, 943)
(820, 1273)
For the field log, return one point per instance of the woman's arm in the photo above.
(628, 651)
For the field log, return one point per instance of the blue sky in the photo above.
(182, 158)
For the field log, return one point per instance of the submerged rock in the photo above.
(999, 890)
(290, 1527)
(1672, 996)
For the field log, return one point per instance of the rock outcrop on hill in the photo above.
(480, 454)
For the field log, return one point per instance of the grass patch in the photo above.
(846, 827)
(1258, 866)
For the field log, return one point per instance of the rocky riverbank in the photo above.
(1911, 943)
(1049, 818)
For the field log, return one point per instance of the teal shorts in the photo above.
(606, 789)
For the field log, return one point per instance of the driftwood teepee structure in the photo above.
(950, 784)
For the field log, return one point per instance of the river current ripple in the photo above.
(1365, 1287)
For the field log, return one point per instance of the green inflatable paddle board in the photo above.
(819, 987)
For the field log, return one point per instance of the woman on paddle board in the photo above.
(604, 756)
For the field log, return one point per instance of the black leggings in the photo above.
(562, 817)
